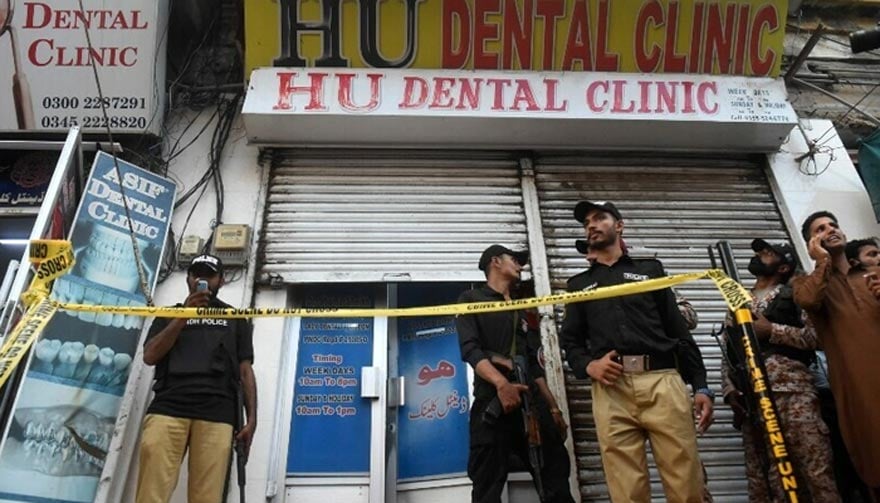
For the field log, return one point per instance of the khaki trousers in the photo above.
(164, 442)
(653, 406)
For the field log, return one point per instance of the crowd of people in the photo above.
(639, 354)
(814, 331)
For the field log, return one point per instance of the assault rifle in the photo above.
(531, 425)
(752, 374)
(240, 455)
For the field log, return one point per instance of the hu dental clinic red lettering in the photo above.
(622, 97)
(287, 90)
(476, 93)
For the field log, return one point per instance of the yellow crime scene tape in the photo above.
(51, 259)
(53, 254)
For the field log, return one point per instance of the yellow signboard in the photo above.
(728, 37)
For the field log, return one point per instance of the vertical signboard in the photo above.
(65, 411)
(330, 422)
(433, 422)
(46, 78)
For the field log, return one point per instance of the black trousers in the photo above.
(496, 450)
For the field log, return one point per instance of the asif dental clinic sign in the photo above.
(46, 78)
(727, 37)
(431, 107)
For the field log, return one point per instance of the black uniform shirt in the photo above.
(481, 335)
(197, 378)
(644, 323)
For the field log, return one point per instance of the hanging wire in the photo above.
(142, 275)
(839, 120)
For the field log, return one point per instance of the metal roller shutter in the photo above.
(674, 209)
(364, 216)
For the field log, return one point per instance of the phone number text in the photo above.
(94, 121)
(94, 103)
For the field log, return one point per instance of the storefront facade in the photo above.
(380, 187)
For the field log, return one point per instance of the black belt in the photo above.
(646, 363)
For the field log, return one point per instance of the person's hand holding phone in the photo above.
(200, 297)
(816, 250)
(873, 281)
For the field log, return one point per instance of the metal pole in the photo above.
(805, 52)
(7, 282)
(764, 409)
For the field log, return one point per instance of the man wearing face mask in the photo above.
(788, 344)
(200, 365)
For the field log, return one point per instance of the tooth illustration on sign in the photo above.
(104, 319)
(92, 296)
(103, 371)
(109, 259)
(46, 352)
(121, 362)
(61, 441)
(68, 358)
(90, 354)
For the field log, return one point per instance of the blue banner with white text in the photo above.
(66, 409)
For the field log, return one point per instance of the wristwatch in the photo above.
(706, 391)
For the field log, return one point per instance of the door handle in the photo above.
(371, 382)
(396, 392)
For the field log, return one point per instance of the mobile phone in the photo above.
(201, 285)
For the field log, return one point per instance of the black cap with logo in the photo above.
(584, 207)
(206, 262)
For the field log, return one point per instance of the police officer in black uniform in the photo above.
(200, 364)
(487, 342)
(636, 348)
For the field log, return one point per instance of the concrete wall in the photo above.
(830, 183)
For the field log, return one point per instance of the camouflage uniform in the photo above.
(806, 434)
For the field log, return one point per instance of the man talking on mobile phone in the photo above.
(200, 364)
(844, 305)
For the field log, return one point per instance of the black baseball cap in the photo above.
(493, 251)
(584, 207)
(206, 262)
(784, 250)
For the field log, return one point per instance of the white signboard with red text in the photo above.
(46, 77)
(328, 107)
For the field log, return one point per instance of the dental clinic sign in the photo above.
(46, 79)
(443, 105)
(64, 416)
(725, 37)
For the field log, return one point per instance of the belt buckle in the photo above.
(635, 363)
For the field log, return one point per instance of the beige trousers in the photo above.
(164, 442)
(653, 406)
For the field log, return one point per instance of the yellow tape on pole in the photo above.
(23, 336)
(51, 259)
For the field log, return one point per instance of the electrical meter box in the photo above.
(232, 243)
(190, 247)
